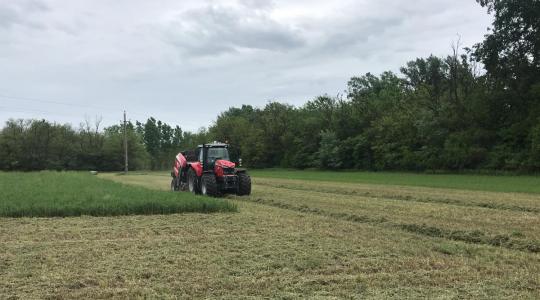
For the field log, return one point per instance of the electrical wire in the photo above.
(4, 96)
(12, 98)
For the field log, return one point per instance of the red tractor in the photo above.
(209, 171)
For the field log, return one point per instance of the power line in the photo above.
(109, 115)
(48, 112)
(6, 97)
(30, 110)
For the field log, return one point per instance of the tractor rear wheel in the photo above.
(209, 185)
(192, 182)
(244, 184)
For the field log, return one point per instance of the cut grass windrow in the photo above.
(370, 194)
(473, 237)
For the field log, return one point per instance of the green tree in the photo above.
(328, 154)
(511, 56)
(114, 148)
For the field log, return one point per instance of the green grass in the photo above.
(63, 194)
(493, 183)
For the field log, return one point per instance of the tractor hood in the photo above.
(225, 163)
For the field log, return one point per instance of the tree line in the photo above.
(479, 109)
(476, 110)
(29, 145)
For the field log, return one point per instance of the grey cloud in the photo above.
(17, 13)
(155, 57)
(355, 36)
(258, 4)
(385, 27)
(8, 16)
(214, 30)
(34, 5)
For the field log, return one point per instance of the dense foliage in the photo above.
(39, 145)
(474, 110)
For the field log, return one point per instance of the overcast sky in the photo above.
(184, 62)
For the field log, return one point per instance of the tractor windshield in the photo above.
(217, 153)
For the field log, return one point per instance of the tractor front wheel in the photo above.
(174, 186)
(192, 182)
(209, 185)
(244, 184)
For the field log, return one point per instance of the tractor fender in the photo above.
(197, 167)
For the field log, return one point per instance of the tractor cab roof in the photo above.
(214, 145)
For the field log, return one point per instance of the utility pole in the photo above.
(125, 145)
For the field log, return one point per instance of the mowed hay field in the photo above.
(292, 238)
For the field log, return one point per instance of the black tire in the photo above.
(209, 185)
(174, 186)
(193, 184)
(244, 184)
(183, 186)
(182, 180)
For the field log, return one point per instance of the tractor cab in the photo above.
(210, 153)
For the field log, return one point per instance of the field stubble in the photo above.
(290, 239)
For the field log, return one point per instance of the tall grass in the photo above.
(493, 183)
(63, 194)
